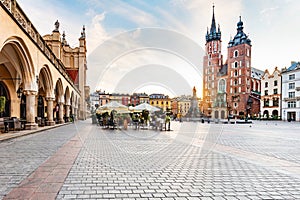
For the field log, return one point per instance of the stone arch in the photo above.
(76, 101)
(59, 91)
(4, 92)
(72, 99)
(59, 101)
(216, 114)
(67, 96)
(275, 113)
(19, 57)
(266, 114)
(222, 114)
(46, 81)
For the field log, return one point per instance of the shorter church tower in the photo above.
(239, 72)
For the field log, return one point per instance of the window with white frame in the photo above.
(292, 104)
(291, 94)
(266, 84)
(235, 64)
(291, 85)
(236, 53)
(291, 76)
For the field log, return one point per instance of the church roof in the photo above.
(256, 73)
(213, 34)
(223, 70)
(240, 37)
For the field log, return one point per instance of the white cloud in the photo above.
(96, 32)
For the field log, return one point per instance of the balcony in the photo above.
(291, 99)
(297, 88)
(255, 92)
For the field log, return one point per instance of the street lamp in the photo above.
(20, 92)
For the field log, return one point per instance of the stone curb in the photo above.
(16, 134)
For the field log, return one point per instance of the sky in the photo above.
(177, 28)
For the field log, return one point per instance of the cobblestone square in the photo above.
(193, 161)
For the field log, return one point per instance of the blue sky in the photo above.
(272, 25)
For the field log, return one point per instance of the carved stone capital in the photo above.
(50, 99)
(30, 92)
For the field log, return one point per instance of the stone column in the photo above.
(75, 113)
(67, 113)
(50, 121)
(30, 110)
(61, 113)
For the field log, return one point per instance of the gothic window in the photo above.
(235, 73)
(222, 85)
(236, 53)
(235, 64)
(72, 62)
(235, 82)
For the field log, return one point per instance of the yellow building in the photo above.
(161, 101)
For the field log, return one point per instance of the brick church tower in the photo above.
(212, 63)
(239, 73)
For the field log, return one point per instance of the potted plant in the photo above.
(2, 103)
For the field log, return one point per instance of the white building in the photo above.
(291, 92)
(270, 106)
(94, 99)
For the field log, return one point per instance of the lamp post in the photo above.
(19, 92)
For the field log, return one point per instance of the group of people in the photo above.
(144, 119)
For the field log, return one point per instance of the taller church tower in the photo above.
(212, 63)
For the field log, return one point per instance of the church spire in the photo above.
(214, 34)
(213, 22)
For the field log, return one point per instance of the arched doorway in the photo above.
(222, 114)
(266, 114)
(5, 101)
(275, 113)
(216, 114)
(40, 107)
(23, 107)
(58, 111)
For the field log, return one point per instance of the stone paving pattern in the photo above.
(19, 157)
(195, 161)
